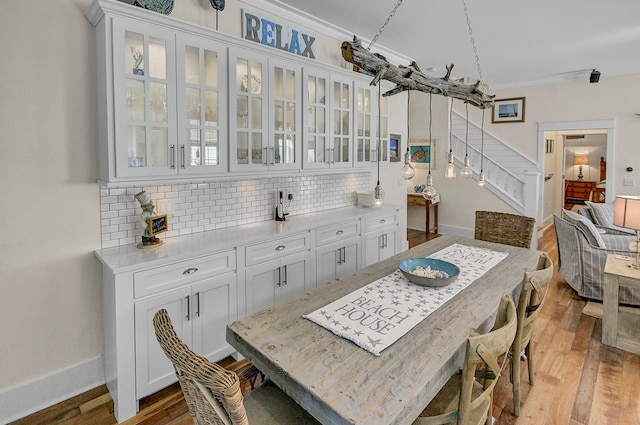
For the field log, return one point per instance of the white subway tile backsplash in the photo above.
(204, 206)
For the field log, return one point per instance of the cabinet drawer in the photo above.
(259, 253)
(380, 221)
(174, 275)
(337, 233)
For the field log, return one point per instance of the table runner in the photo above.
(378, 314)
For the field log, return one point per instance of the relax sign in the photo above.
(272, 34)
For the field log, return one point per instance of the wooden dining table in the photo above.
(340, 383)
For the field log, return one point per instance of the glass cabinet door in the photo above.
(364, 121)
(248, 106)
(341, 123)
(317, 150)
(202, 106)
(285, 108)
(144, 96)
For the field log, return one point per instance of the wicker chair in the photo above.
(505, 228)
(535, 286)
(467, 398)
(213, 393)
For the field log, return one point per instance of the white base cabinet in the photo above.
(199, 313)
(338, 251)
(207, 282)
(381, 237)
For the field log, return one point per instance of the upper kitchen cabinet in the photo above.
(202, 106)
(368, 147)
(162, 99)
(327, 136)
(265, 107)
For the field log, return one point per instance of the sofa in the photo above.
(585, 237)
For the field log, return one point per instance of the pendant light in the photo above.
(407, 172)
(450, 172)
(481, 177)
(377, 192)
(466, 170)
(429, 192)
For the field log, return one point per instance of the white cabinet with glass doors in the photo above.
(366, 149)
(170, 103)
(327, 140)
(265, 112)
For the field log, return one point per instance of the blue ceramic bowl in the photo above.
(408, 266)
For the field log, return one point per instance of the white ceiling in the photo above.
(518, 42)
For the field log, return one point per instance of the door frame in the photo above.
(607, 124)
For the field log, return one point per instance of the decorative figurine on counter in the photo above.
(151, 224)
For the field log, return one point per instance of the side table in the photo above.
(620, 329)
(418, 199)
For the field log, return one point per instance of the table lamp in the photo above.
(580, 160)
(626, 213)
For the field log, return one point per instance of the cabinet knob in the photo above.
(190, 270)
(339, 232)
(280, 247)
(383, 220)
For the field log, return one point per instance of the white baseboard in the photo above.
(32, 396)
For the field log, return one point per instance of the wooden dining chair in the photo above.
(213, 393)
(467, 398)
(505, 228)
(535, 286)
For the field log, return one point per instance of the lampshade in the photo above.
(580, 160)
(627, 212)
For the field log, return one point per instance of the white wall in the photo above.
(50, 301)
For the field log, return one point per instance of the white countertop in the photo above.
(129, 257)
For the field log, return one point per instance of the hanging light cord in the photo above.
(450, 132)
(430, 120)
(466, 134)
(408, 116)
(382, 28)
(379, 129)
(473, 41)
(482, 144)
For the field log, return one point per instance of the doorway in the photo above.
(552, 165)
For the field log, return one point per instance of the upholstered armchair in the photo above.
(582, 253)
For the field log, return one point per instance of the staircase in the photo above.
(508, 174)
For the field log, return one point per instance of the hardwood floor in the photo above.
(578, 381)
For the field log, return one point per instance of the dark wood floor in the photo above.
(579, 381)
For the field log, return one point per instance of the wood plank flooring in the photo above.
(578, 380)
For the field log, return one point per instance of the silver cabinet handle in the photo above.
(279, 283)
(188, 317)
(383, 221)
(332, 160)
(190, 270)
(265, 157)
(182, 162)
(280, 247)
(273, 156)
(284, 281)
(197, 304)
(339, 232)
(328, 156)
(172, 156)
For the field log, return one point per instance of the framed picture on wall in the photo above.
(508, 110)
(395, 148)
(422, 152)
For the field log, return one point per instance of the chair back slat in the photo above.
(504, 228)
(196, 373)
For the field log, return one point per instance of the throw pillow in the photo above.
(603, 216)
(587, 227)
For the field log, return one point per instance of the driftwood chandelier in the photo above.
(411, 77)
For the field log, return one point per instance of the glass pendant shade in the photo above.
(466, 170)
(407, 172)
(481, 179)
(429, 192)
(378, 195)
(450, 172)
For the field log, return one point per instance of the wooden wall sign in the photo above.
(279, 36)
(158, 224)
